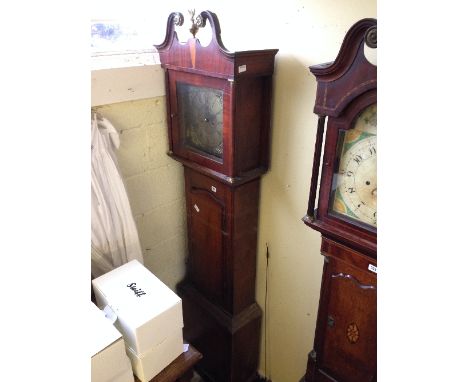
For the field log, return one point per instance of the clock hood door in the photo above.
(347, 206)
(200, 126)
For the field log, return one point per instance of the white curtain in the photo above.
(114, 238)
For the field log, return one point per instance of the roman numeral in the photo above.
(372, 150)
(358, 159)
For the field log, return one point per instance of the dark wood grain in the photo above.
(221, 316)
(345, 343)
(343, 300)
(348, 76)
(179, 370)
(222, 230)
(344, 253)
(230, 181)
(315, 167)
(229, 343)
(244, 77)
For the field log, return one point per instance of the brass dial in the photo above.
(201, 118)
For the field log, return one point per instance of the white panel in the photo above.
(126, 84)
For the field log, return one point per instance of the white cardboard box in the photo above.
(147, 310)
(109, 362)
(147, 365)
(126, 376)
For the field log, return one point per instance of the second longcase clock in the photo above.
(344, 210)
(219, 123)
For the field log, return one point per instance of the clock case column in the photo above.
(345, 337)
(221, 317)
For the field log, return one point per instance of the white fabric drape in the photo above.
(114, 238)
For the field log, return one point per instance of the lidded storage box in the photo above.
(147, 313)
(109, 363)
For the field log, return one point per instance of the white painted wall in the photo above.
(306, 33)
(154, 183)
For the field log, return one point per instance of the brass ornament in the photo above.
(197, 22)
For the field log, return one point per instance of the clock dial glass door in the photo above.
(200, 112)
(354, 188)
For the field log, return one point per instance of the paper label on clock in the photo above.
(372, 268)
(196, 208)
(242, 68)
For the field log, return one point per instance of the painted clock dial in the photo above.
(201, 118)
(355, 179)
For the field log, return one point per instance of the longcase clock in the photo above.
(343, 208)
(218, 105)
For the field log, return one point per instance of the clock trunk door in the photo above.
(200, 120)
(348, 322)
(207, 234)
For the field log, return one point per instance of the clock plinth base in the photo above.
(229, 343)
(313, 372)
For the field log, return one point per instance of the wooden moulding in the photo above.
(214, 59)
(341, 81)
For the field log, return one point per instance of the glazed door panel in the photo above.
(200, 118)
(348, 323)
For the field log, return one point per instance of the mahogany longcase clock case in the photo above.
(218, 105)
(343, 208)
